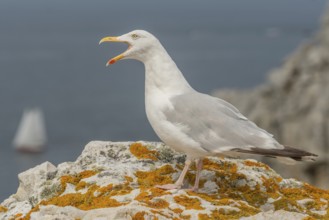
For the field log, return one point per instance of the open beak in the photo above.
(114, 39)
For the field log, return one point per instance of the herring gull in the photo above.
(194, 123)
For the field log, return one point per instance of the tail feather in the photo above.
(290, 152)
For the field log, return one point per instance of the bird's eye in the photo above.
(134, 36)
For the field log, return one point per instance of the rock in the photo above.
(31, 179)
(293, 105)
(116, 180)
(275, 215)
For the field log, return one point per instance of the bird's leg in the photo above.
(199, 164)
(178, 184)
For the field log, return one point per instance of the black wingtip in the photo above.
(288, 152)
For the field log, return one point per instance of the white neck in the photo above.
(161, 73)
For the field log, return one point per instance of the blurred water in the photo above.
(49, 57)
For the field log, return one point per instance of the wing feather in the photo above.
(216, 124)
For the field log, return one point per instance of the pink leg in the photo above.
(197, 175)
(178, 184)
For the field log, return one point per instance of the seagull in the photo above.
(191, 122)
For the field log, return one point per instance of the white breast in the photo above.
(170, 133)
(163, 80)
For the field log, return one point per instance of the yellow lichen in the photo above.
(188, 203)
(142, 152)
(159, 176)
(3, 209)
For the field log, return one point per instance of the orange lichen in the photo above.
(3, 209)
(87, 173)
(18, 215)
(222, 214)
(129, 178)
(88, 200)
(139, 216)
(271, 184)
(28, 215)
(157, 192)
(160, 213)
(309, 218)
(216, 200)
(110, 190)
(224, 166)
(84, 201)
(159, 176)
(234, 190)
(251, 163)
(188, 203)
(152, 200)
(142, 152)
(191, 179)
(177, 210)
(211, 165)
(105, 189)
(290, 196)
(75, 179)
(81, 185)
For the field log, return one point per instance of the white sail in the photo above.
(31, 134)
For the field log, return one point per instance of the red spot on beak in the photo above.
(112, 61)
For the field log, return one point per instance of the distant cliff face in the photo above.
(116, 180)
(294, 104)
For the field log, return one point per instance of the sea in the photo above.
(50, 58)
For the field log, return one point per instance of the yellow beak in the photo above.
(113, 39)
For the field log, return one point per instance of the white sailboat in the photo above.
(31, 134)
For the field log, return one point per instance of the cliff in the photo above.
(116, 180)
(293, 105)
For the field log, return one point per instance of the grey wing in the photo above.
(216, 124)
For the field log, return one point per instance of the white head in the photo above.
(140, 44)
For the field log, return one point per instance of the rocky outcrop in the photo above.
(116, 180)
(294, 105)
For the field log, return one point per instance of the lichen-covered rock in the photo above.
(293, 105)
(116, 180)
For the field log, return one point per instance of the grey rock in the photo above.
(112, 171)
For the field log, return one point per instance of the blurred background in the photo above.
(50, 58)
